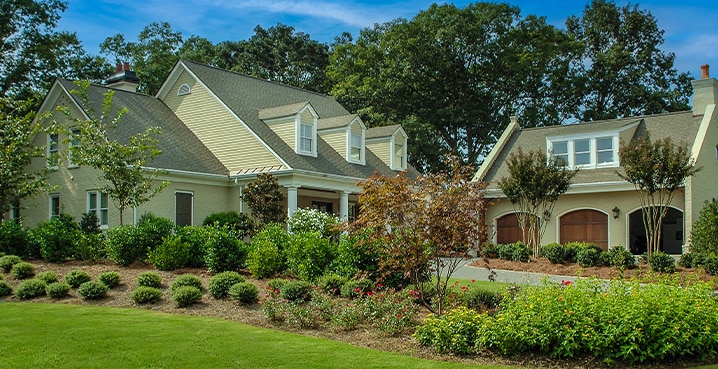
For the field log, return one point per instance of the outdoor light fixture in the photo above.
(616, 211)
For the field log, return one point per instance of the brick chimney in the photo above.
(124, 78)
(705, 91)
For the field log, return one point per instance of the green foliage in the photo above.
(276, 283)
(264, 259)
(235, 221)
(23, 270)
(123, 246)
(186, 280)
(92, 290)
(57, 238)
(657, 169)
(47, 277)
(589, 256)
(533, 186)
(149, 279)
(704, 236)
(219, 284)
(57, 290)
(517, 251)
(14, 239)
(171, 254)
(354, 254)
(481, 299)
(662, 262)
(5, 288)
(619, 257)
(554, 252)
(111, 279)
(224, 250)
(455, 331)
(356, 288)
(7, 262)
(312, 220)
(153, 230)
(690, 260)
(89, 247)
(331, 283)
(710, 264)
(30, 288)
(295, 291)
(77, 277)
(89, 223)
(265, 200)
(196, 237)
(146, 295)
(184, 296)
(309, 255)
(244, 292)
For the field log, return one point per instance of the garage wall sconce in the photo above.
(616, 211)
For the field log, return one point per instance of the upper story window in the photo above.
(74, 142)
(356, 147)
(585, 152)
(53, 148)
(306, 137)
(399, 158)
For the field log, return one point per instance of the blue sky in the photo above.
(691, 31)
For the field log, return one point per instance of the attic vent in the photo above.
(183, 90)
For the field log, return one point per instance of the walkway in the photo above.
(466, 271)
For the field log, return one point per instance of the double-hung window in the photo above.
(53, 148)
(74, 143)
(54, 206)
(356, 147)
(306, 137)
(97, 203)
(585, 151)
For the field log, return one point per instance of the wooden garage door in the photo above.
(508, 230)
(585, 226)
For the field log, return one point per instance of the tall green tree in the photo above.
(122, 162)
(622, 71)
(152, 56)
(454, 76)
(32, 53)
(533, 186)
(657, 169)
(278, 53)
(18, 128)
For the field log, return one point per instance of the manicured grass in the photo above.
(484, 285)
(70, 336)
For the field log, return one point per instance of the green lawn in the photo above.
(70, 336)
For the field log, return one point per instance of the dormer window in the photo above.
(585, 152)
(355, 139)
(399, 156)
(306, 138)
(356, 147)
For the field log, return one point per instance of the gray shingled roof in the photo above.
(681, 127)
(181, 149)
(282, 111)
(384, 131)
(246, 96)
(335, 122)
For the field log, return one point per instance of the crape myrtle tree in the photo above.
(18, 128)
(265, 200)
(422, 228)
(657, 169)
(123, 163)
(533, 186)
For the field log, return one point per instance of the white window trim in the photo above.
(70, 164)
(98, 203)
(50, 211)
(362, 145)
(50, 151)
(402, 165)
(298, 127)
(593, 149)
(184, 89)
(191, 193)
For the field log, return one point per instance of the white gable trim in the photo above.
(703, 131)
(175, 75)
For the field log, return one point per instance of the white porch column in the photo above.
(343, 206)
(291, 200)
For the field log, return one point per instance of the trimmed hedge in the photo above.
(219, 285)
(146, 295)
(77, 277)
(30, 288)
(92, 290)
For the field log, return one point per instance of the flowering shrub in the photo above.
(312, 220)
(356, 288)
(390, 312)
(331, 283)
(455, 331)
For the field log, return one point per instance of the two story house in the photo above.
(600, 207)
(220, 130)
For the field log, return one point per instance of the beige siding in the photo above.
(217, 128)
(381, 149)
(306, 117)
(702, 187)
(338, 141)
(286, 131)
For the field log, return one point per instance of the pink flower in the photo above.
(411, 292)
(398, 316)
(473, 281)
(379, 285)
(369, 293)
(357, 290)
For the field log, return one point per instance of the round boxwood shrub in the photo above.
(554, 252)
(146, 295)
(92, 290)
(689, 260)
(331, 283)
(356, 288)
(184, 296)
(710, 264)
(111, 279)
(30, 288)
(295, 290)
(245, 292)
(662, 262)
(5, 289)
(479, 298)
(186, 280)
(7, 261)
(149, 279)
(76, 278)
(23, 270)
(57, 290)
(219, 284)
(47, 277)
(619, 257)
(588, 256)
